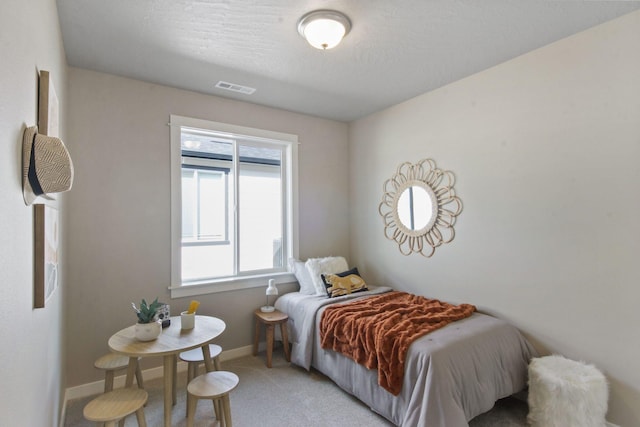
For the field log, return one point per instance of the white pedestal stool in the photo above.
(563, 392)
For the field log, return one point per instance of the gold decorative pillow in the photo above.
(345, 283)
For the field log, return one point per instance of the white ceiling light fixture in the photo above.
(324, 29)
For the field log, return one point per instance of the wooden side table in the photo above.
(270, 320)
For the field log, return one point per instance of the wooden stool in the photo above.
(111, 363)
(271, 319)
(116, 405)
(194, 358)
(214, 386)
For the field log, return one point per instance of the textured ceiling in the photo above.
(397, 49)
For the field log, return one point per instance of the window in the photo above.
(233, 205)
(205, 203)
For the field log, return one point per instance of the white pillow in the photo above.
(328, 265)
(302, 276)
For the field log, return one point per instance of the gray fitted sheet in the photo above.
(451, 375)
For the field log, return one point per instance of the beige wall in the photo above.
(119, 232)
(31, 354)
(545, 149)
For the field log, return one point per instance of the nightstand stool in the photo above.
(270, 319)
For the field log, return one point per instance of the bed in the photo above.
(451, 374)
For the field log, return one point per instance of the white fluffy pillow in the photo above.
(328, 265)
(302, 276)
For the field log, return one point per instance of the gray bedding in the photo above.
(451, 375)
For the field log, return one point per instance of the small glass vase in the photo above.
(148, 331)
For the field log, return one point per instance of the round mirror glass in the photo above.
(415, 208)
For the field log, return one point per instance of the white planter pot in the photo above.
(148, 331)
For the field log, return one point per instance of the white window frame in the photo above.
(290, 170)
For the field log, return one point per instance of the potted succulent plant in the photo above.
(148, 327)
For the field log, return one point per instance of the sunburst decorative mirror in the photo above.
(419, 207)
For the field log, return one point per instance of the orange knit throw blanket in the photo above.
(376, 332)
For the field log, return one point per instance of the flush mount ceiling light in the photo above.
(324, 29)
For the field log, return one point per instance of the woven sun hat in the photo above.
(46, 165)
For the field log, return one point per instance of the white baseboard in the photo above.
(612, 424)
(97, 387)
(236, 353)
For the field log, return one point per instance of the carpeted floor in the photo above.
(284, 396)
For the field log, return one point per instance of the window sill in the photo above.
(225, 285)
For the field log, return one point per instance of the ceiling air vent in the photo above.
(235, 88)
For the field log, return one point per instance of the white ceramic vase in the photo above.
(148, 331)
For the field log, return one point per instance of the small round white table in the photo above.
(172, 341)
